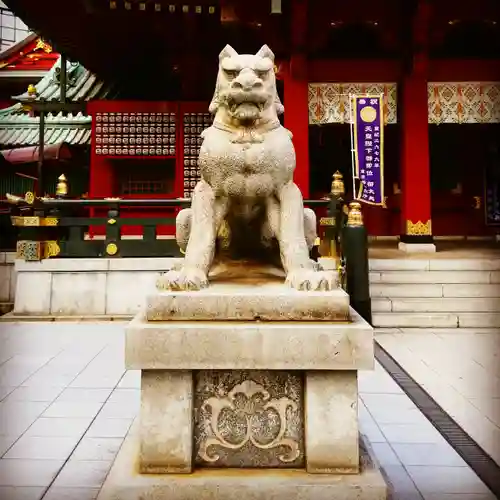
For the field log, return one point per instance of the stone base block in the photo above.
(125, 483)
(248, 293)
(417, 247)
(253, 345)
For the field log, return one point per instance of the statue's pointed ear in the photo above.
(227, 51)
(265, 51)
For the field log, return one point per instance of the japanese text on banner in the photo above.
(368, 130)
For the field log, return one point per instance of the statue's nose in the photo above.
(247, 83)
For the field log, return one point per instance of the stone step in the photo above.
(402, 290)
(436, 320)
(422, 264)
(436, 304)
(436, 277)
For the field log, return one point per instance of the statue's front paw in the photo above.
(183, 279)
(309, 279)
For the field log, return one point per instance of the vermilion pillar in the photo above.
(296, 93)
(297, 121)
(416, 224)
(415, 166)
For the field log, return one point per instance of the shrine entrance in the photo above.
(465, 164)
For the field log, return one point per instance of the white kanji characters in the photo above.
(368, 143)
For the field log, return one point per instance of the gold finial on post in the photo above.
(32, 92)
(62, 186)
(337, 184)
(354, 216)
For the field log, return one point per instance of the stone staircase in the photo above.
(435, 293)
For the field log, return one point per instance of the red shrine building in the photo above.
(148, 82)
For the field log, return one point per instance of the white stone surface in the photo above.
(417, 290)
(10, 257)
(471, 290)
(78, 294)
(399, 265)
(479, 320)
(143, 264)
(166, 422)
(124, 483)
(331, 416)
(7, 277)
(414, 320)
(381, 305)
(126, 291)
(479, 264)
(33, 293)
(435, 277)
(446, 305)
(430, 293)
(268, 300)
(417, 247)
(253, 345)
(117, 286)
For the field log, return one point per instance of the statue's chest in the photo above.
(246, 158)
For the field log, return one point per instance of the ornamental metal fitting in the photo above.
(32, 92)
(62, 186)
(354, 217)
(337, 184)
(111, 249)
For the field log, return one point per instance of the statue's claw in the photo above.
(308, 279)
(183, 279)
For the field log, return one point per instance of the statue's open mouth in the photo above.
(249, 106)
(248, 100)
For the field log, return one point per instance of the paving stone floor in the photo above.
(67, 403)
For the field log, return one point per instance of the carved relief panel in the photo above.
(249, 419)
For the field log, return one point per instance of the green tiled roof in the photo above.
(18, 129)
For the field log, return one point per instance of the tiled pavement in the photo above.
(67, 404)
(460, 369)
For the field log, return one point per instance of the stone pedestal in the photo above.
(249, 389)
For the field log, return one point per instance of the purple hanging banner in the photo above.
(368, 131)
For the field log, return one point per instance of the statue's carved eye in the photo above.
(262, 74)
(231, 74)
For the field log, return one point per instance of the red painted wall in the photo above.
(102, 169)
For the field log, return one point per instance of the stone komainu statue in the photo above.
(246, 196)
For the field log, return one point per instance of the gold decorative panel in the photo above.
(419, 228)
(329, 102)
(464, 102)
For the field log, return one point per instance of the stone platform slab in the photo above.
(249, 345)
(247, 292)
(124, 482)
(268, 302)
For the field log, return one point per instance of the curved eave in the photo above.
(20, 131)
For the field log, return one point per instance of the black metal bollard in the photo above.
(355, 246)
